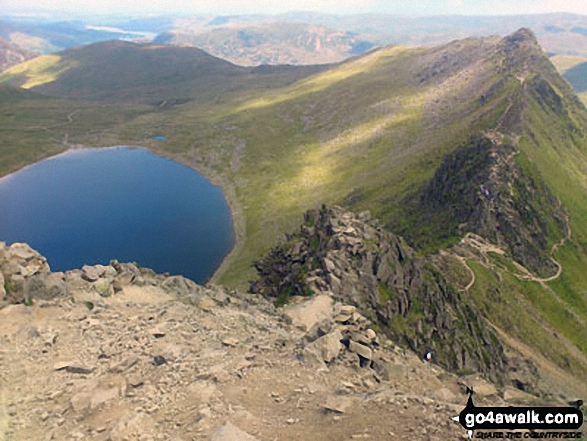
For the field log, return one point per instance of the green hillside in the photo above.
(382, 132)
(123, 71)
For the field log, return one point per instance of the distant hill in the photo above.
(274, 43)
(157, 74)
(47, 37)
(11, 54)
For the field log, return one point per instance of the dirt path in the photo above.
(47, 128)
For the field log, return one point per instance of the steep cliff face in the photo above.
(481, 188)
(355, 260)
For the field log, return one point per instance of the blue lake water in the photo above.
(92, 205)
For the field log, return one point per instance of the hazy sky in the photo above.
(415, 7)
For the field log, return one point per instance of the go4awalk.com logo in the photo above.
(506, 422)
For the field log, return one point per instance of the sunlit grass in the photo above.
(38, 71)
(324, 80)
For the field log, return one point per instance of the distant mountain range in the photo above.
(557, 33)
(297, 38)
(273, 43)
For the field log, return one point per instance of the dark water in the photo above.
(91, 206)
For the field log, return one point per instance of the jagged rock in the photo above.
(230, 432)
(22, 252)
(380, 272)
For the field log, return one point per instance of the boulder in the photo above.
(91, 273)
(360, 349)
(328, 346)
(310, 312)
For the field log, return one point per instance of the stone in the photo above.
(104, 288)
(310, 312)
(71, 367)
(482, 387)
(338, 403)
(329, 264)
(371, 335)
(230, 341)
(22, 251)
(158, 331)
(230, 432)
(443, 395)
(328, 346)
(158, 360)
(80, 402)
(125, 364)
(516, 395)
(92, 273)
(342, 318)
(347, 309)
(362, 350)
(108, 388)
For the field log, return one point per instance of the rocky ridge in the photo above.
(481, 189)
(356, 261)
(122, 353)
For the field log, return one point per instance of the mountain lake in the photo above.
(90, 206)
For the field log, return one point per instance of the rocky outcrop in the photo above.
(481, 188)
(25, 276)
(355, 260)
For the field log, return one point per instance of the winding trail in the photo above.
(47, 128)
(553, 250)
